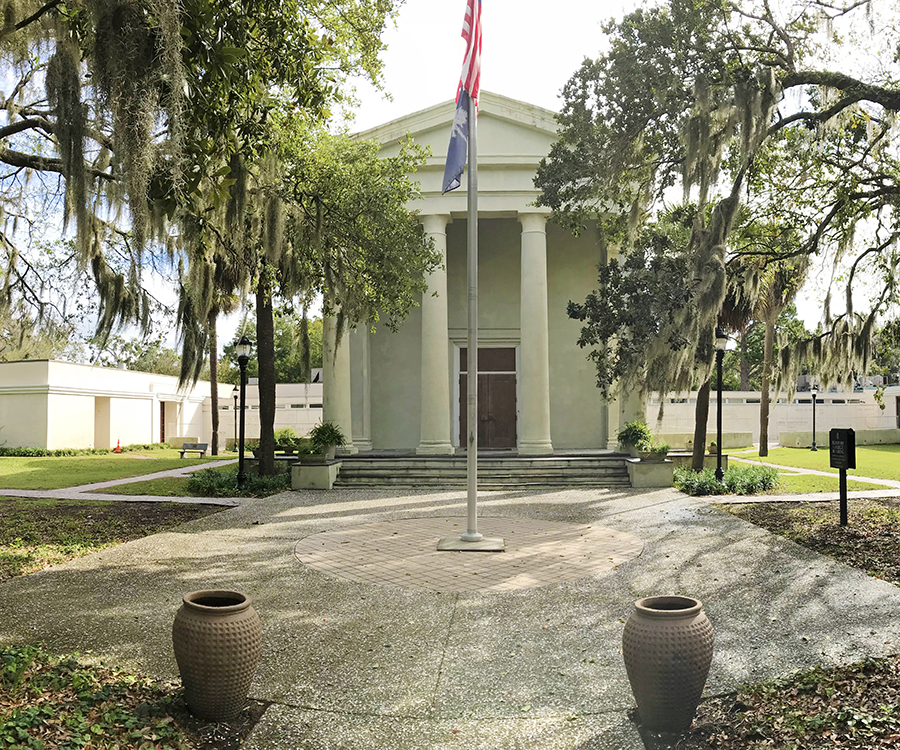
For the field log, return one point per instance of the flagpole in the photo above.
(471, 534)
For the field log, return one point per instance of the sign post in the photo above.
(842, 453)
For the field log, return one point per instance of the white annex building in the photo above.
(53, 405)
(406, 391)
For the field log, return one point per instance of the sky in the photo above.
(528, 54)
(529, 50)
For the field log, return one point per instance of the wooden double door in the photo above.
(496, 398)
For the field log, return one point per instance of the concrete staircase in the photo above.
(493, 471)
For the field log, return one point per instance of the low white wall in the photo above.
(740, 414)
(297, 405)
(862, 437)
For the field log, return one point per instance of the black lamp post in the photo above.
(234, 395)
(242, 349)
(721, 340)
(815, 391)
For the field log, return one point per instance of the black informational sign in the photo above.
(842, 446)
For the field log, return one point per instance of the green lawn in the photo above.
(796, 484)
(52, 472)
(163, 487)
(876, 461)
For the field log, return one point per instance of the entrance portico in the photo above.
(541, 396)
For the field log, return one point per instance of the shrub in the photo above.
(751, 480)
(223, 483)
(738, 480)
(637, 435)
(26, 451)
(285, 436)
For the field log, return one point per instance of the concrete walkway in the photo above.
(89, 491)
(354, 659)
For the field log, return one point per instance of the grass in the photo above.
(163, 487)
(59, 702)
(875, 461)
(798, 484)
(35, 534)
(220, 481)
(50, 473)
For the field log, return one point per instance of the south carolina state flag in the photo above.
(459, 141)
(469, 84)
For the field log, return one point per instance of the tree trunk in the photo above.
(265, 352)
(768, 347)
(745, 365)
(701, 414)
(213, 384)
(305, 358)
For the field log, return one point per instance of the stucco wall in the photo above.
(577, 410)
(23, 420)
(70, 421)
(856, 410)
(396, 378)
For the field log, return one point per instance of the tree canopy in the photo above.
(778, 122)
(147, 113)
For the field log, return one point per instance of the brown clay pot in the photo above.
(668, 646)
(217, 637)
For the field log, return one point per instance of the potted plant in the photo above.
(252, 445)
(659, 449)
(325, 438)
(286, 440)
(713, 448)
(636, 438)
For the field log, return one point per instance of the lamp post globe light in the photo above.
(234, 395)
(815, 391)
(721, 341)
(242, 349)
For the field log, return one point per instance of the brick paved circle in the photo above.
(403, 553)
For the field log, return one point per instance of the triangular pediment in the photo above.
(512, 137)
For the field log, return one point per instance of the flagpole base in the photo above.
(484, 544)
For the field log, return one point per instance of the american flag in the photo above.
(469, 83)
(470, 80)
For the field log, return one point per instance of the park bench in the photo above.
(191, 447)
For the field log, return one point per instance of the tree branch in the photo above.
(43, 163)
(887, 98)
(35, 16)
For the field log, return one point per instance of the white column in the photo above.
(534, 352)
(336, 381)
(434, 433)
(614, 421)
(361, 410)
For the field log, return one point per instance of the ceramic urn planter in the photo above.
(217, 638)
(667, 646)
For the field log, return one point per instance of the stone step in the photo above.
(507, 463)
(450, 471)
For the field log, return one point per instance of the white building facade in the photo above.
(57, 405)
(405, 391)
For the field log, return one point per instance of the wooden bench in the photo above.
(194, 447)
